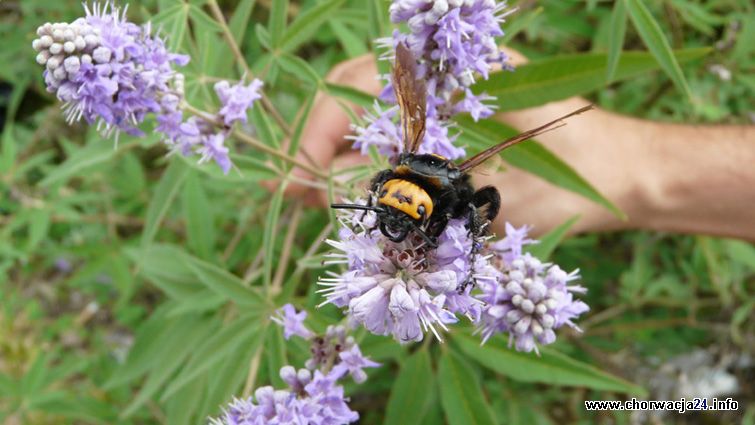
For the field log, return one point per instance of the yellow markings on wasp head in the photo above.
(406, 197)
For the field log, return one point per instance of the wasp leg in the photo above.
(430, 241)
(487, 196)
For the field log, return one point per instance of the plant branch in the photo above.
(256, 143)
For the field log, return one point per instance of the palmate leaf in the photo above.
(460, 393)
(551, 367)
(530, 156)
(560, 77)
(413, 391)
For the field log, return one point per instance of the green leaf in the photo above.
(231, 338)
(460, 393)
(275, 354)
(39, 224)
(82, 160)
(551, 367)
(172, 21)
(377, 13)
(520, 22)
(352, 44)
(299, 68)
(198, 210)
(170, 358)
(550, 241)
(165, 266)
(277, 21)
(271, 225)
(264, 127)
(555, 78)
(240, 20)
(307, 24)
(532, 157)
(166, 191)
(358, 97)
(656, 42)
(223, 283)
(302, 118)
(616, 37)
(413, 391)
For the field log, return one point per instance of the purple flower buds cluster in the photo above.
(530, 300)
(403, 289)
(313, 395)
(453, 40)
(115, 73)
(106, 69)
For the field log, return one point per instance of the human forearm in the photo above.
(681, 178)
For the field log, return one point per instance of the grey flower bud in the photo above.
(101, 54)
(56, 48)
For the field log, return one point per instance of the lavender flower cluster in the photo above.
(406, 289)
(313, 395)
(453, 41)
(115, 73)
(530, 299)
(403, 289)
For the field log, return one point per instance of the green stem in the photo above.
(256, 143)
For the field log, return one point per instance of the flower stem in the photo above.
(256, 143)
(218, 15)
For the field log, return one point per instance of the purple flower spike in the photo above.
(107, 70)
(531, 300)
(292, 322)
(452, 41)
(237, 100)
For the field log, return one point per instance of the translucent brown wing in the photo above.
(481, 157)
(411, 95)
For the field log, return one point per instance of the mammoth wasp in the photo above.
(422, 192)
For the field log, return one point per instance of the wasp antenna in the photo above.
(352, 207)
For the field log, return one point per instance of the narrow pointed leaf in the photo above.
(555, 78)
(652, 34)
(551, 367)
(461, 394)
(413, 391)
(616, 37)
(308, 23)
(548, 243)
(166, 191)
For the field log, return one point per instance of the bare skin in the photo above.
(677, 178)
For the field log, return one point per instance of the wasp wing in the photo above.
(483, 156)
(411, 95)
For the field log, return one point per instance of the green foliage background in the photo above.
(164, 315)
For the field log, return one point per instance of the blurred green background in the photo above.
(132, 286)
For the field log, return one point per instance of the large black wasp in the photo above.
(422, 192)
